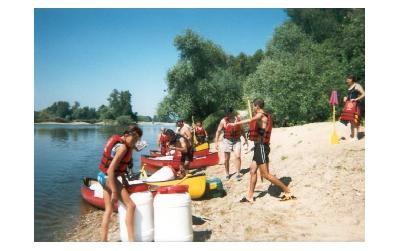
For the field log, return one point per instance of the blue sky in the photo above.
(83, 54)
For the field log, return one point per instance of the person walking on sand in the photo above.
(231, 141)
(179, 143)
(355, 93)
(260, 132)
(117, 156)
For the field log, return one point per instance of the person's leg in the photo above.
(227, 157)
(107, 215)
(130, 213)
(253, 180)
(237, 153)
(264, 171)
(352, 129)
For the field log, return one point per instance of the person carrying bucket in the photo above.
(260, 132)
(355, 93)
(180, 143)
(117, 156)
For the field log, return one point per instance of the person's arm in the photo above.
(159, 141)
(360, 89)
(121, 151)
(256, 117)
(220, 126)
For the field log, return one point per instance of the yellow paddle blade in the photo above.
(334, 138)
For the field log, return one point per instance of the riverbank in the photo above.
(99, 123)
(328, 181)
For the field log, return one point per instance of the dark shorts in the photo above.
(261, 152)
(187, 156)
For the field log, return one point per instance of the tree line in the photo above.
(118, 110)
(309, 55)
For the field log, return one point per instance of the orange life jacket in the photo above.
(163, 141)
(200, 132)
(232, 132)
(106, 158)
(254, 134)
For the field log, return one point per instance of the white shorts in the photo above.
(231, 145)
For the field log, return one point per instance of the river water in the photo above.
(63, 155)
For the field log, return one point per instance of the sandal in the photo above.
(244, 199)
(287, 196)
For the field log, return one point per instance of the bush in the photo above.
(124, 120)
(212, 121)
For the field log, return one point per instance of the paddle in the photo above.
(333, 102)
(194, 132)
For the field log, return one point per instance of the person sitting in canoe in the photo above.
(200, 133)
(184, 129)
(162, 142)
(260, 132)
(179, 143)
(117, 156)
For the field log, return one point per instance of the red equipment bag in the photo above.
(350, 112)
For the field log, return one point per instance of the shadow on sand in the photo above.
(274, 190)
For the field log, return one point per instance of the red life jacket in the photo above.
(163, 141)
(350, 111)
(200, 132)
(254, 130)
(232, 132)
(106, 158)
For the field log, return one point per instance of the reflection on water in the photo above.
(63, 155)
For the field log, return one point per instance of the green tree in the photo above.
(120, 104)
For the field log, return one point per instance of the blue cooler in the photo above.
(214, 188)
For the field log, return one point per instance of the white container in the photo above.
(173, 216)
(144, 224)
(164, 174)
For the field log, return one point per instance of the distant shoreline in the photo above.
(98, 123)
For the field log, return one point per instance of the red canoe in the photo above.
(156, 153)
(153, 164)
(90, 197)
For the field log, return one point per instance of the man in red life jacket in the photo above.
(260, 132)
(116, 157)
(179, 143)
(200, 133)
(231, 141)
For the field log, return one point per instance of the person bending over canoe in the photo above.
(116, 158)
(260, 132)
(182, 144)
(231, 141)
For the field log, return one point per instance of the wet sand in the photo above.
(328, 181)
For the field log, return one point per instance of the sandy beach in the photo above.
(328, 181)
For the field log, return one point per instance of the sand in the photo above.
(328, 181)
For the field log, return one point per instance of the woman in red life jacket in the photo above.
(200, 133)
(231, 141)
(117, 156)
(162, 142)
(260, 133)
(355, 93)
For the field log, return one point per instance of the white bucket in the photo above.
(173, 217)
(164, 174)
(144, 224)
